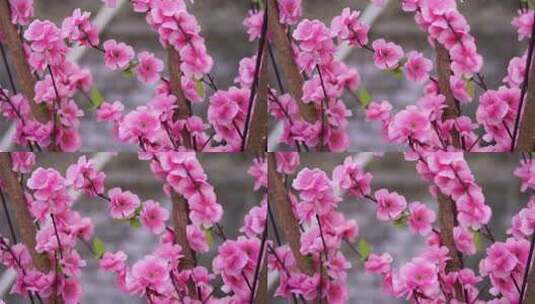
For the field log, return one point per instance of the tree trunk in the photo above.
(290, 69)
(180, 215)
(22, 68)
(183, 110)
(22, 215)
(452, 111)
(279, 197)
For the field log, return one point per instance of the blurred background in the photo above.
(494, 172)
(226, 172)
(227, 42)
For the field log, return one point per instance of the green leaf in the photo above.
(477, 239)
(209, 237)
(470, 88)
(98, 247)
(96, 98)
(401, 222)
(134, 223)
(128, 73)
(364, 97)
(396, 73)
(199, 85)
(364, 248)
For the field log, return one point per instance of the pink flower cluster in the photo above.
(184, 175)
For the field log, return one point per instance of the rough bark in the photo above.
(22, 68)
(530, 290)
(183, 110)
(444, 73)
(22, 215)
(257, 137)
(526, 135)
(180, 215)
(278, 196)
(447, 220)
(289, 67)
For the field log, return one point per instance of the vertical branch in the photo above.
(257, 102)
(22, 215)
(526, 135)
(22, 68)
(180, 215)
(257, 138)
(183, 110)
(530, 290)
(289, 66)
(447, 221)
(279, 197)
(443, 69)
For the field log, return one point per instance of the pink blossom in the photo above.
(418, 67)
(347, 27)
(421, 218)
(113, 262)
(123, 204)
(22, 161)
(459, 89)
(150, 272)
(351, 177)
(516, 70)
(110, 111)
(390, 205)
(379, 264)
(79, 28)
(255, 220)
(253, 23)
(21, 11)
(378, 111)
(149, 67)
(499, 261)
(387, 54)
(195, 60)
(197, 238)
(71, 291)
(526, 173)
(311, 183)
(83, 176)
(153, 216)
(117, 55)
(231, 258)
(140, 123)
(259, 171)
(464, 240)
(524, 23)
(419, 274)
(409, 123)
(287, 162)
(290, 11)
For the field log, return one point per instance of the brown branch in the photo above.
(22, 215)
(526, 136)
(443, 69)
(279, 197)
(257, 137)
(183, 110)
(447, 220)
(290, 69)
(22, 68)
(262, 292)
(180, 221)
(530, 290)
